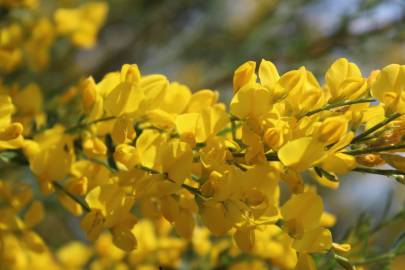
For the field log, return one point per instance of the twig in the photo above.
(374, 149)
(379, 171)
(85, 125)
(375, 127)
(58, 186)
(339, 104)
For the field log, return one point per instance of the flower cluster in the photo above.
(27, 33)
(145, 148)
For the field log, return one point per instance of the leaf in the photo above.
(7, 156)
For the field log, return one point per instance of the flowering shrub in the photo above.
(147, 155)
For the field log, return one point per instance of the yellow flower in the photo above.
(216, 217)
(396, 161)
(176, 99)
(92, 101)
(303, 153)
(268, 74)
(245, 238)
(243, 75)
(50, 154)
(10, 133)
(332, 129)
(111, 201)
(74, 255)
(199, 127)
(34, 214)
(201, 100)
(127, 96)
(81, 24)
(29, 107)
(344, 81)
(123, 130)
(305, 262)
(302, 215)
(37, 46)
(176, 160)
(10, 52)
(302, 90)
(252, 100)
(389, 88)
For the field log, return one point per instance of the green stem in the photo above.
(375, 127)
(378, 171)
(193, 190)
(340, 104)
(376, 259)
(58, 186)
(375, 149)
(85, 125)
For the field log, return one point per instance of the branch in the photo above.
(340, 104)
(379, 171)
(375, 127)
(58, 186)
(85, 125)
(191, 189)
(374, 150)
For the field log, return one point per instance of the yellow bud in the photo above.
(268, 73)
(244, 74)
(344, 81)
(130, 73)
(89, 93)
